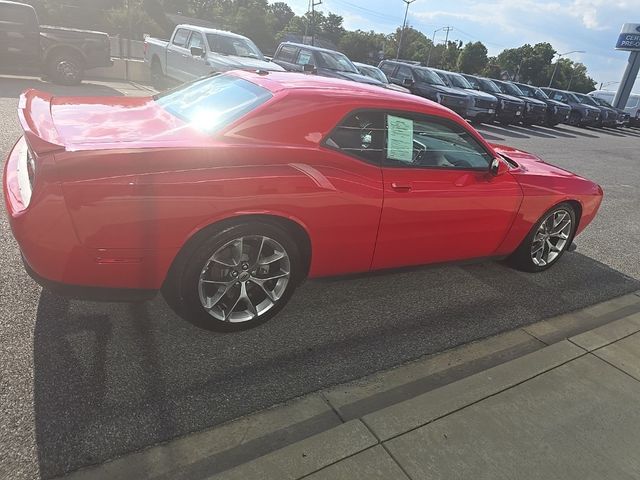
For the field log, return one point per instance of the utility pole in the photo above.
(314, 4)
(446, 46)
(404, 23)
(555, 69)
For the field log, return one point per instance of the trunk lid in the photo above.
(89, 123)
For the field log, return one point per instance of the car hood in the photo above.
(479, 94)
(534, 101)
(509, 98)
(119, 122)
(530, 164)
(449, 90)
(397, 88)
(555, 103)
(234, 62)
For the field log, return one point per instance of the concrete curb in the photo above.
(318, 430)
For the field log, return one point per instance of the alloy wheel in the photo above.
(244, 278)
(551, 237)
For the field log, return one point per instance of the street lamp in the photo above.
(408, 2)
(606, 84)
(433, 39)
(555, 69)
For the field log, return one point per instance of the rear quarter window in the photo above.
(287, 53)
(180, 38)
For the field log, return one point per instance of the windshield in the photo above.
(373, 72)
(600, 102)
(488, 86)
(527, 91)
(573, 98)
(510, 89)
(428, 76)
(539, 94)
(241, 47)
(459, 81)
(586, 99)
(336, 61)
(211, 103)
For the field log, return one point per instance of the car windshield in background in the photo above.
(573, 98)
(510, 89)
(233, 46)
(375, 73)
(540, 95)
(489, 85)
(601, 102)
(336, 61)
(586, 99)
(212, 103)
(459, 81)
(428, 76)
(527, 91)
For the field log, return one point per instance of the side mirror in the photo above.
(197, 51)
(476, 88)
(309, 68)
(407, 82)
(498, 167)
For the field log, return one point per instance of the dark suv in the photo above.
(557, 112)
(482, 107)
(623, 118)
(296, 57)
(535, 111)
(422, 81)
(608, 115)
(509, 108)
(581, 113)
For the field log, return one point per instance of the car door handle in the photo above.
(401, 187)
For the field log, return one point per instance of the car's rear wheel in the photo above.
(236, 279)
(65, 68)
(549, 238)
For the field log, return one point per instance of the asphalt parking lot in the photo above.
(84, 382)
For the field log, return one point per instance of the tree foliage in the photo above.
(472, 58)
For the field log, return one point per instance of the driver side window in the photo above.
(360, 135)
(418, 141)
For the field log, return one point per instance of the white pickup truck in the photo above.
(194, 52)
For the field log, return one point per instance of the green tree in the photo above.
(281, 16)
(362, 46)
(415, 45)
(472, 58)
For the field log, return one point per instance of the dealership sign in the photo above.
(629, 38)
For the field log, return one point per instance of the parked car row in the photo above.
(193, 52)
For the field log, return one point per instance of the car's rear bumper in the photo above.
(96, 294)
(51, 250)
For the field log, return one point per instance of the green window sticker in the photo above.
(399, 138)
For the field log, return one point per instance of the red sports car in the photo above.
(227, 192)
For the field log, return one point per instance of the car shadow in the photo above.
(113, 378)
(605, 131)
(553, 131)
(579, 131)
(501, 130)
(12, 87)
(531, 130)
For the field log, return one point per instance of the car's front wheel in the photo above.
(236, 279)
(547, 240)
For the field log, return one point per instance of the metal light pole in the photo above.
(433, 42)
(606, 84)
(560, 55)
(404, 23)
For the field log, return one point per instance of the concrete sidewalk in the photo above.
(557, 399)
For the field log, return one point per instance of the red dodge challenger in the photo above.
(227, 192)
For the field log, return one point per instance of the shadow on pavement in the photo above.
(112, 378)
(575, 131)
(501, 130)
(531, 130)
(12, 87)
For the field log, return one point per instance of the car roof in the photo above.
(277, 82)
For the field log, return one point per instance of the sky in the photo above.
(589, 25)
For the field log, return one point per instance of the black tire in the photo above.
(65, 68)
(574, 119)
(521, 259)
(158, 79)
(181, 290)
